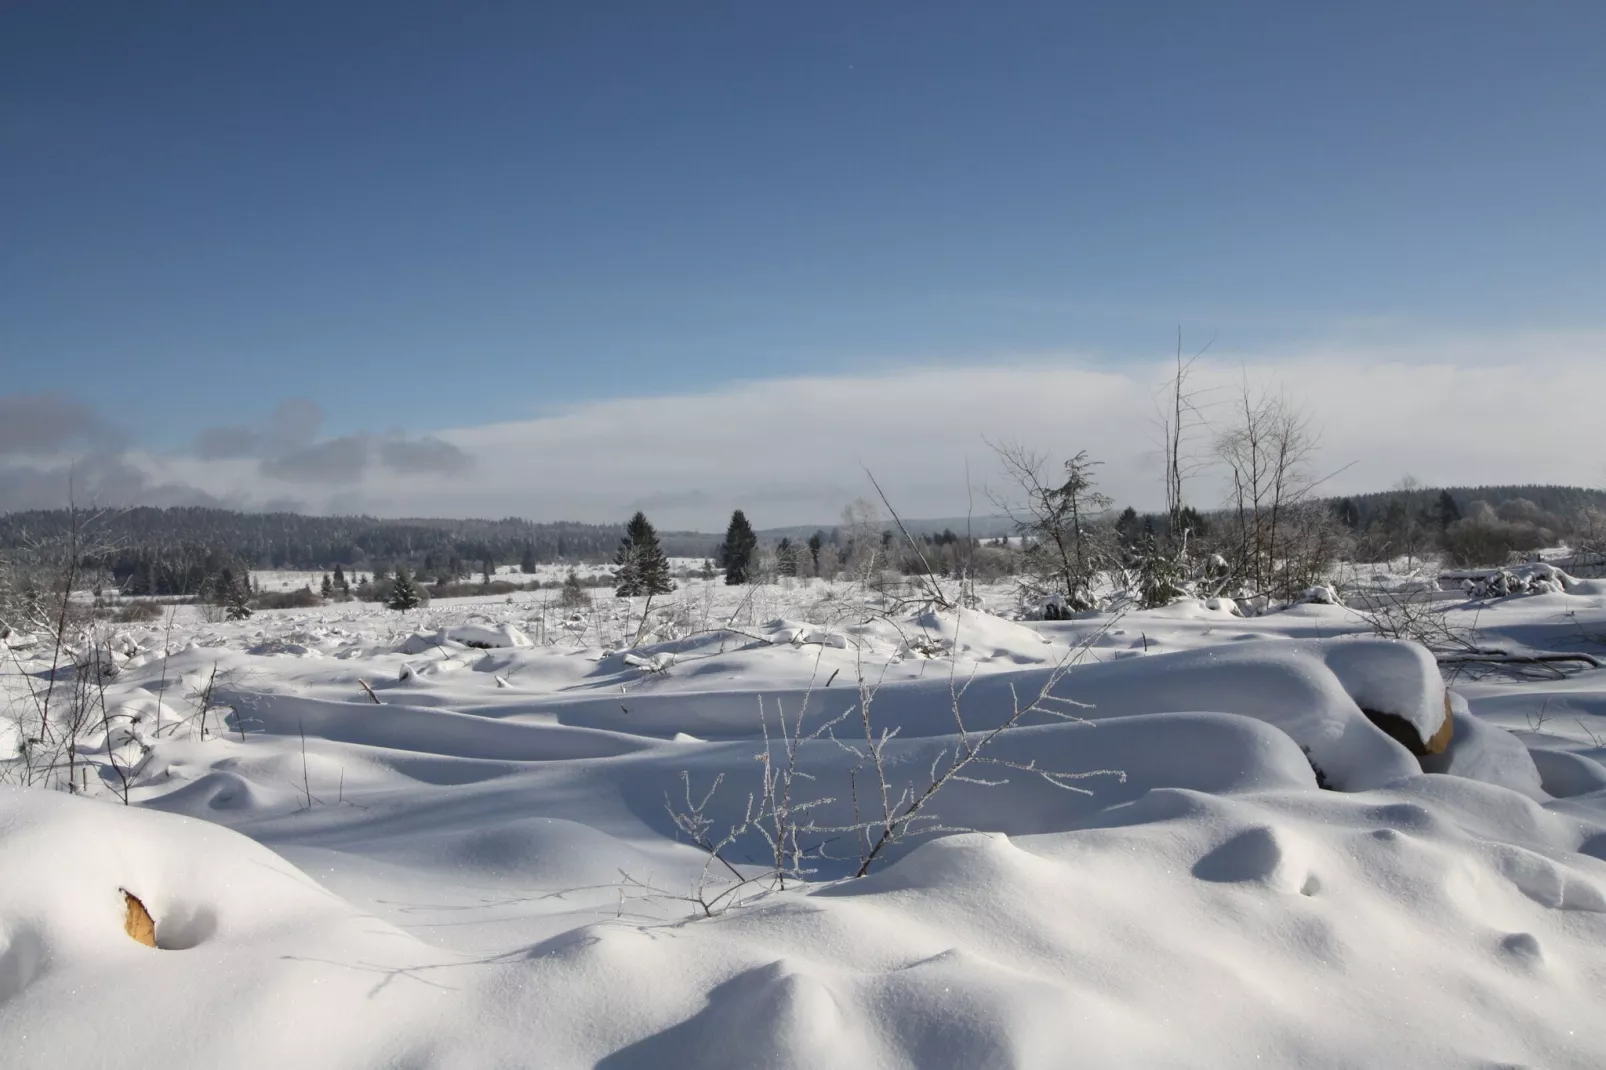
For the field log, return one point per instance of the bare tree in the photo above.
(1180, 421)
(1267, 453)
(1055, 518)
(861, 524)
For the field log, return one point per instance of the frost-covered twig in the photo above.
(909, 813)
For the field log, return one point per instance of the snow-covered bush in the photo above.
(1537, 578)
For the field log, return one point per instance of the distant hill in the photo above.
(981, 527)
(1565, 503)
(293, 540)
(135, 537)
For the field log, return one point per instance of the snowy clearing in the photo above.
(461, 837)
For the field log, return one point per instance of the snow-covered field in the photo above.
(459, 837)
(546, 573)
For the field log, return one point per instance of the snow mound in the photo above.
(1316, 691)
(1389, 676)
(504, 875)
(236, 926)
(487, 636)
(427, 642)
(1565, 774)
(1290, 684)
(1485, 752)
(802, 633)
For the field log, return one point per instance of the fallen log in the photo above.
(1500, 658)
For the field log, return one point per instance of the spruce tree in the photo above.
(340, 578)
(736, 552)
(642, 566)
(1347, 513)
(816, 543)
(404, 594)
(786, 558)
(1191, 522)
(1446, 512)
(237, 598)
(328, 587)
(1129, 533)
(527, 562)
(223, 586)
(1160, 575)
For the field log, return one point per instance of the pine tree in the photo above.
(1160, 575)
(223, 586)
(1129, 533)
(404, 594)
(237, 598)
(736, 552)
(1446, 512)
(642, 567)
(1191, 523)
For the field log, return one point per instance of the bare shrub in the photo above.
(888, 808)
(574, 594)
(1416, 615)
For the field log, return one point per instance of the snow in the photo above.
(481, 867)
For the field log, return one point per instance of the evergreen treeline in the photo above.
(1361, 511)
(180, 547)
(184, 551)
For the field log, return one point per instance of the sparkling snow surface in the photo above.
(480, 870)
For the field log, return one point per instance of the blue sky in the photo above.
(432, 216)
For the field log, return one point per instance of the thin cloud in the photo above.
(1510, 408)
(337, 460)
(292, 427)
(427, 455)
(99, 479)
(34, 424)
(227, 443)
